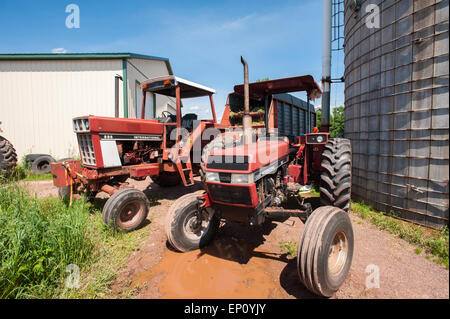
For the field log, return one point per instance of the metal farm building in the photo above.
(41, 93)
(396, 107)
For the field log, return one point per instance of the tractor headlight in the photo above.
(242, 178)
(212, 177)
(319, 139)
(86, 124)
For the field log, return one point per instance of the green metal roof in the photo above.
(71, 56)
(79, 56)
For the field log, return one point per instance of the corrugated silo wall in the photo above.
(396, 107)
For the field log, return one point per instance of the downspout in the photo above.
(125, 88)
(116, 93)
(326, 64)
(154, 105)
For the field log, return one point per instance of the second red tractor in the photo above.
(251, 176)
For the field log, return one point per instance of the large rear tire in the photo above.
(325, 250)
(166, 179)
(184, 230)
(126, 209)
(336, 176)
(8, 156)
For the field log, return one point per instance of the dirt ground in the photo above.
(244, 262)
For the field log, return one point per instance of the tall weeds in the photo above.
(39, 238)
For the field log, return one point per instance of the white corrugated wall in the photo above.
(39, 98)
(140, 70)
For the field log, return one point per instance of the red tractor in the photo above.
(252, 177)
(115, 149)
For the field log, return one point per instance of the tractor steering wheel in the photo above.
(166, 113)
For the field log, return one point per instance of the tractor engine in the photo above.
(103, 145)
(242, 181)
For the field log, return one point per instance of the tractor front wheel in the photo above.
(325, 250)
(126, 209)
(189, 227)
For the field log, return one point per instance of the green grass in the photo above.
(289, 248)
(433, 242)
(315, 191)
(39, 238)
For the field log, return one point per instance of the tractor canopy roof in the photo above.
(295, 84)
(166, 85)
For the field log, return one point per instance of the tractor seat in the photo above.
(187, 121)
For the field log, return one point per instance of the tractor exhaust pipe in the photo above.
(247, 119)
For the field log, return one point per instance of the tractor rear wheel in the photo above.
(166, 179)
(325, 250)
(336, 176)
(126, 209)
(187, 228)
(8, 156)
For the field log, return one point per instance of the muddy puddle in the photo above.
(221, 270)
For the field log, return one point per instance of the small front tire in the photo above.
(325, 250)
(189, 229)
(126, 209)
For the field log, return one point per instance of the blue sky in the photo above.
(203, 39)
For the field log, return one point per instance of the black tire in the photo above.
(126, 209)
(64, 192)
(181, 230)
(41, 165)
(336, 176)
(8, 156)
(321, 265)
(166, 179)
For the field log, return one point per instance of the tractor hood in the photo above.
(247, 158)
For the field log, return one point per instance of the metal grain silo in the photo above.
(396, 106)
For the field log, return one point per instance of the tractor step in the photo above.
(187, 180)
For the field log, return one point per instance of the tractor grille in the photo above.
(86, 149)
(230, 194)
(231, 163)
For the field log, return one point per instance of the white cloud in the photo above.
(194, 108)
(59, 50)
